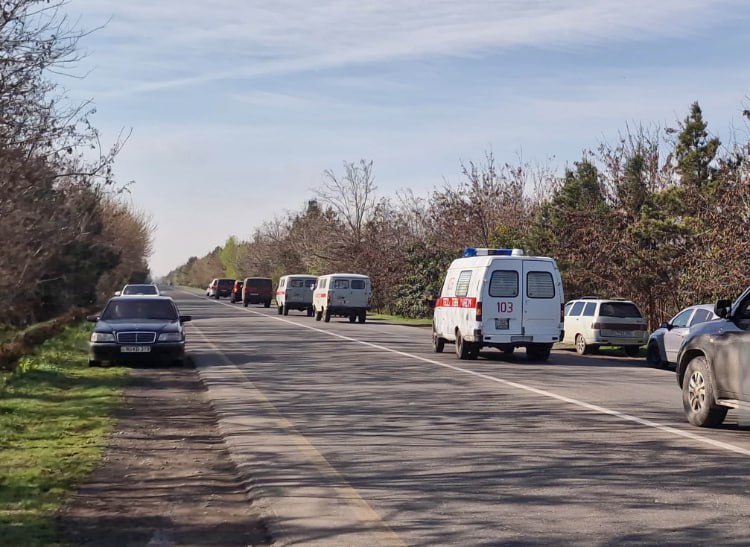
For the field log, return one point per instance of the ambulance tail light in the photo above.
(478, 310)
(328, 297)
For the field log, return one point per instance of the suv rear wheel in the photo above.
(698, 394)
(632, 351)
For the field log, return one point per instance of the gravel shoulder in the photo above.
(166, 478)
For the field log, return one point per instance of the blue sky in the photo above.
(238, 106)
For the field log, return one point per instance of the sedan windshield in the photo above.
(140, 309)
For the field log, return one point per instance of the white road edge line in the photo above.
(582, 404)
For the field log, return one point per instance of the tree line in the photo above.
(660, 217)
(68, 235)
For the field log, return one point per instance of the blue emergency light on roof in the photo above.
(483, 251)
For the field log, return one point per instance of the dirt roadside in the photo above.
(166, 478)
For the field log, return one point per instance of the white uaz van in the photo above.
(295, 292)
(502, 299)
(343, 294)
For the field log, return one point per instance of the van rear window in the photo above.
(340, 284)
(260, 283)
(296, 283)
(504, 284)
(619, 309)
(358, 284)
(310, 283)
(540, 285)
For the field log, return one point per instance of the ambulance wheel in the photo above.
(280, 309)
(267, 304)
(310, 312)
(362, 316)
(286, 310)
(352, 318)
(327, 317)
(318, 315)
(245, 303)
(538, 352)
(465, 350)
(508, 350)
(438, 343)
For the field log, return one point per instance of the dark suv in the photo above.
(713, 364)
(257, 290)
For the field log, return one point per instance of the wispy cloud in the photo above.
(228, 39)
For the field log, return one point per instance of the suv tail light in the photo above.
(478, 310)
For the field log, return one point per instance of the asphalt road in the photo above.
(352, 434)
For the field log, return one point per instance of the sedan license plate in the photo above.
(502, 324)
(135, 349)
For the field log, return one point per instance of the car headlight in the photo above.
(170, 337)
(102, 337)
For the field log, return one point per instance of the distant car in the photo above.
(138, 289)
(713, 369)
(592, 322)
(257, 290)
(220, 287)
(236, 295)
(138, 328)
(665, 342)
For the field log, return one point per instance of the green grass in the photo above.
(400, 320)
(55, 413)
(614, 351)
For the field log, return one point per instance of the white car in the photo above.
(138, 289)
(593, 322)
(665, 342)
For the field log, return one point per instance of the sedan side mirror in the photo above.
(665, 325)
(117, 293)
(185, 318)
(92, 318)
(722, 308)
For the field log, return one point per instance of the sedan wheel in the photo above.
(653, 357)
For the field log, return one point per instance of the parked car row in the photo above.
(251, 290)
(340, 294)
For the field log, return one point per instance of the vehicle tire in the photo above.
(508, 351)
(653, 357)
(632, 351)
(279, 310)
(245, 303)
(581, 347)
(267, 304)
(352, 318)
(698, 394)
(217, 296)
(362, 317)
(310, 312)
(438, 343)
(465, 350)
(318, 315)
(286, 310)
(94, 363)
(538, 352)
(327, 315)
(179, 363)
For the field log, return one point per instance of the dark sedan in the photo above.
(713, 364)
(138, 328)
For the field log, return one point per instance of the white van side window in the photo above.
(540, 285)
(282, 283)
(462, 287)
(340, 283)
(504, 283)
(358, 284)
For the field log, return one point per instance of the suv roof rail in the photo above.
(620, 298)
(589, 298)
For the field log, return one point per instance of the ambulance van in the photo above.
(502, 299)
(343, 294)
(295, 292)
